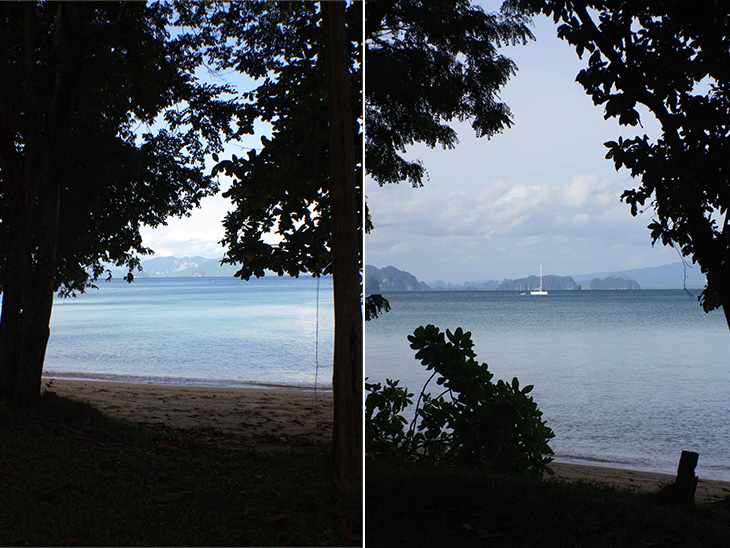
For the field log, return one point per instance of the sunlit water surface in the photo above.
(208, 331)
(624, 378)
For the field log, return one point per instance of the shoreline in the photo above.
(708, 490)
(263, 415)
(259, 415)
(178, 382)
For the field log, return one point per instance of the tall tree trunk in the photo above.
(26, 314)
(10, 330)
(17, 271)
(36, 315)
(34, 192)
(347, 379)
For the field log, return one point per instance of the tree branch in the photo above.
(641, 94)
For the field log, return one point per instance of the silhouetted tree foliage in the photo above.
(673, 58)
(473, 421)
(103, 129)
(305, 184)
(282, 188)
(429, 63)
(375, 305)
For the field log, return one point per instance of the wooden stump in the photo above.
(686, 482)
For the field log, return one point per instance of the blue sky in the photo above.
(540, 193)
(200, 233)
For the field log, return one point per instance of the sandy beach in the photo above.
(256, 415)
(634, 480)
(278, 416)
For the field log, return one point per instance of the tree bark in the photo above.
(347, 376)
(10, 331)
(686, 481)
(34, 209)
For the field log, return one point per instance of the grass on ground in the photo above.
(421, 506)
(71, 475)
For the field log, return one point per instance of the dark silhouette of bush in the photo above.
(472, 422)
(385, 436)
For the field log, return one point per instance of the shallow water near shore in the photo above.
(196, 331)
(626, 379)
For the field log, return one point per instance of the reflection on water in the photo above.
(630, 378)
(197, 331)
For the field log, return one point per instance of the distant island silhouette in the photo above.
(390, 278)
(671, 276)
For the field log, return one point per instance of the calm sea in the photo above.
(624, 378)
(206, 331)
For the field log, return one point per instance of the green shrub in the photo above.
(473, 421)
(384, 434)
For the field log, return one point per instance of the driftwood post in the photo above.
(686, 482)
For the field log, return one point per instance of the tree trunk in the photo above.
(36, 315)
(26, 314)
(347, 379)
(34, 209)
(686, 481)
(10, 332)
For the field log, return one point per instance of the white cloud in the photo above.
(500, 208)
(541, 192)
(505, 228)
(197, 234)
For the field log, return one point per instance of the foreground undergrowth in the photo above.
(416, 505)
(70, 475)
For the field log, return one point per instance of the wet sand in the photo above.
(256, 415)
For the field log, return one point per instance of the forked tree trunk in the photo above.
(347, 375)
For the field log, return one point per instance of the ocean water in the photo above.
(205, 331)
(624, 378)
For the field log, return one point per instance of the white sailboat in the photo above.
(540, 291)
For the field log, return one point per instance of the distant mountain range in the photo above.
(481, 285)
(551, 283)
(671, 276)
(180, 267)
(568, 283)
(613, 283)
(391, 279)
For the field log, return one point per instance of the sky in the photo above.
(197, 235)
(200, 233)
(542, 192)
